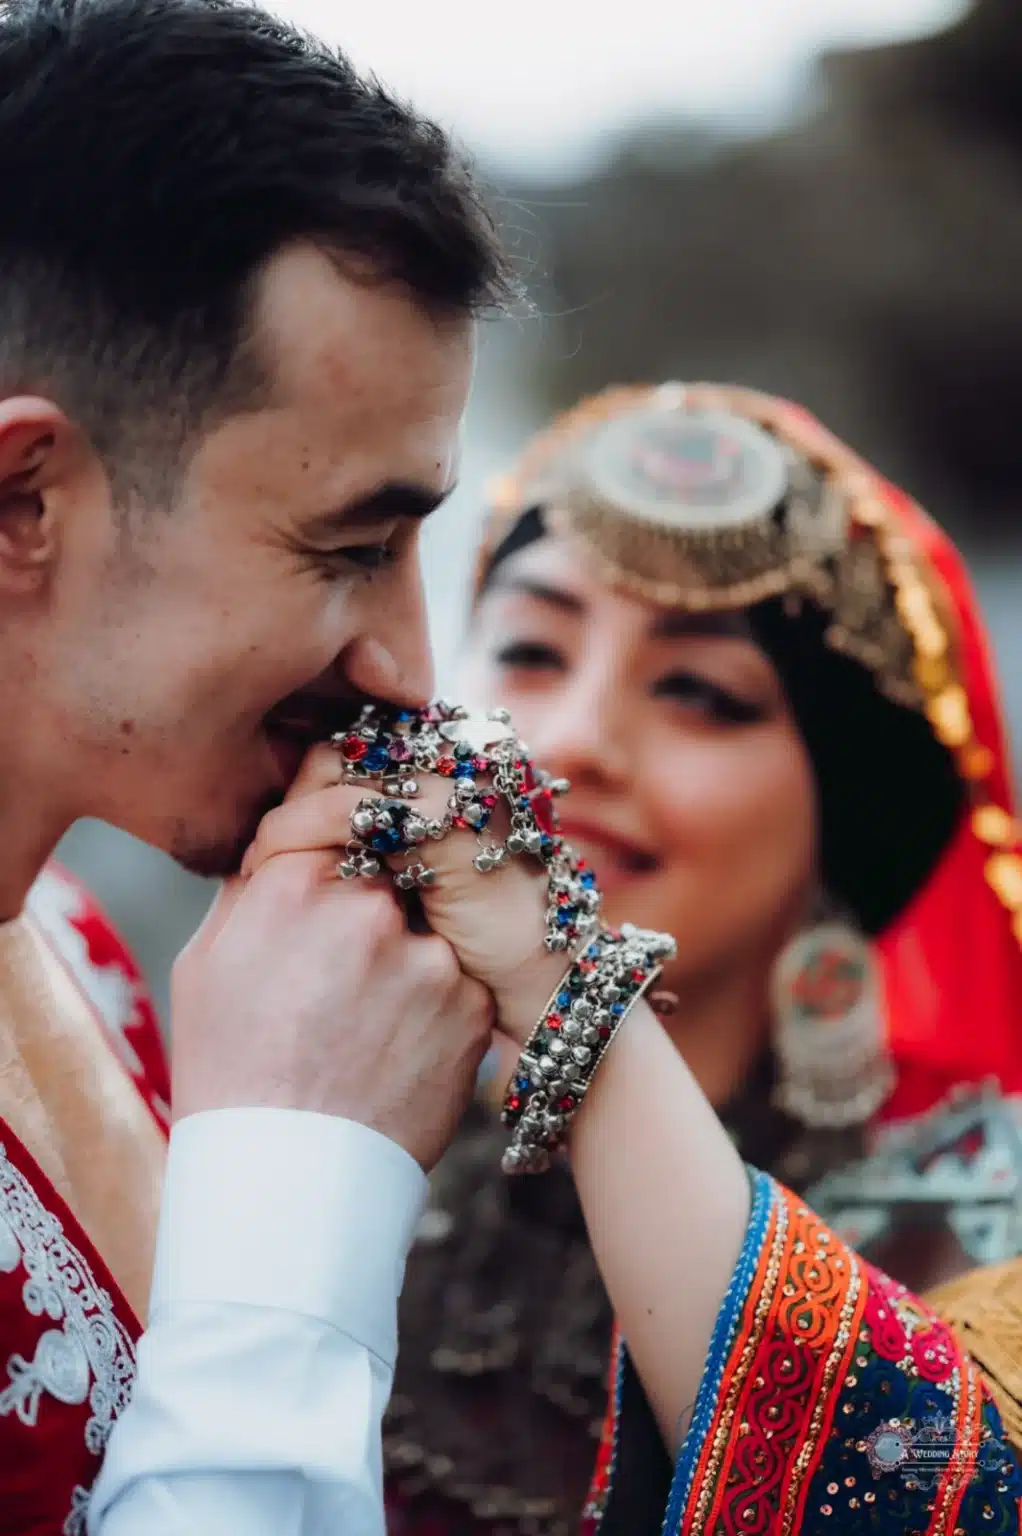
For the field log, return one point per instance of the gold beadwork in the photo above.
(948, 713)
(984, 1309)
(976, 762)
(932, 673)
(1004, 875)
(993, 825)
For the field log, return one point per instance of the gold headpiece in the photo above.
(703, 497)
(712, 497)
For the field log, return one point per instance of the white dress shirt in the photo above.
(269, 1356)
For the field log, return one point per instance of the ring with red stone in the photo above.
(380, 748)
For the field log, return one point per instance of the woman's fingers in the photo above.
(320, 818)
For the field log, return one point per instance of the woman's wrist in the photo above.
(522, 1000)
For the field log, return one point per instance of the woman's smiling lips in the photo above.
(615, 859)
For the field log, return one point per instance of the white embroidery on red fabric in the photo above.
(75, 1524)
(88, 1356)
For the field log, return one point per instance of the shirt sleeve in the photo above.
(269, 1356)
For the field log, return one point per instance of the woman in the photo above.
(763, 671)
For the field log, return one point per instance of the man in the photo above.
(237, 290)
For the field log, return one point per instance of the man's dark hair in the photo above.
(153, 154)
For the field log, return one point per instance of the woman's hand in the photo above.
(495, 922)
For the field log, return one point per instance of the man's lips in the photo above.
(311, 720)
(292, 728)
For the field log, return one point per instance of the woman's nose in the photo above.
(582, 734)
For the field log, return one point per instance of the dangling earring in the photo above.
(829, 1036)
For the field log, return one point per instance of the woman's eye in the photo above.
(529, 654)
(712, 700)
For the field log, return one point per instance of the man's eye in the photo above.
(368, 557)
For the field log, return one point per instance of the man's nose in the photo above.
(393, 659)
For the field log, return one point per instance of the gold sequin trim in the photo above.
(962, 1464)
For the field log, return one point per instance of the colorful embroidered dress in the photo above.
(833, 1401)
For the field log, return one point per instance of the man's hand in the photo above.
(303, 992)
(494, 922)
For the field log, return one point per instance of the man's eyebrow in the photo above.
(397, 498)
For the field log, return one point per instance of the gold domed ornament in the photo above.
(705, 498)
(682, 504)
(685, 501)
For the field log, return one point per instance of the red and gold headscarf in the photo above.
(705, 497)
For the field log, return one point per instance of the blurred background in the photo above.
(817, 197)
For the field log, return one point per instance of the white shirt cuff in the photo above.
(290, 1209)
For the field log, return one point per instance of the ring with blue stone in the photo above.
(382, 828)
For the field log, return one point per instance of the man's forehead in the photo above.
(343, 343)
(364, 392)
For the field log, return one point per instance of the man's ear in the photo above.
(38, 452)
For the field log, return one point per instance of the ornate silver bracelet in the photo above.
(574, 1032)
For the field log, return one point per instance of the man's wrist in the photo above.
(289, 1209)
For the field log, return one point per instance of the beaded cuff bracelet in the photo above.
(560, 1058)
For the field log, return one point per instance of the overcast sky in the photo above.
(539, 85)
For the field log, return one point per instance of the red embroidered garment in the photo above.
(67, 1335)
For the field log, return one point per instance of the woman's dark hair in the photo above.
(153, 154)
(890, 795)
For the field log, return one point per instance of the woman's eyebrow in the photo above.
(543, 591)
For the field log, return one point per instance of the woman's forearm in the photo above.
(666, 1200)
